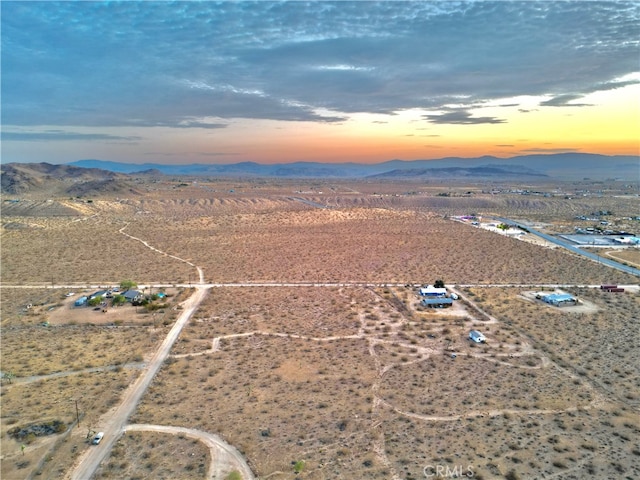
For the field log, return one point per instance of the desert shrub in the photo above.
(512, 475)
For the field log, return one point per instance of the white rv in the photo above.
(477, 337)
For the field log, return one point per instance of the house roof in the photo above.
(437, 301)
(431, 290)
(131, 294)
(559, 297)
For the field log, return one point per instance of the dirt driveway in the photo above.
(584, 306)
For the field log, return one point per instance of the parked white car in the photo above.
(97, 438)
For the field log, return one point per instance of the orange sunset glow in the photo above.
(343, 82)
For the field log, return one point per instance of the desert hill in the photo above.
(21, 178)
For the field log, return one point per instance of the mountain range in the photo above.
(91, 177)
(563, 166)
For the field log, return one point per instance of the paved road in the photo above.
(309, 202)
(114, 424)
(605, 261)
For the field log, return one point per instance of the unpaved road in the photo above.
(224, 457)
(112, 424)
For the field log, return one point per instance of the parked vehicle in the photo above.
(97, 438)
(477, 337)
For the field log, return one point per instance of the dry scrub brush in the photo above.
(602, 347)
(49, 399)
(148, 455)
(364, 244)
(581, 444)
(278, 401)
(304, 311)
(90, 251)
(28, 306)
(444, 386)
(28, 351)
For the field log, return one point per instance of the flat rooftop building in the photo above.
(436, 302)
(559, 299)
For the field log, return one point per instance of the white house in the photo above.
(431, 291)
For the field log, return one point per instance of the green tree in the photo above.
(128, 285)
(9, 376)
(235, 475)
(438, 283)
(95, 301)
(118, 300)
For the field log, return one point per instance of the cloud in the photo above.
(60, 135)
(460, 117)
(612, 85)
(177, 64)
(564, 101)
(551, 150)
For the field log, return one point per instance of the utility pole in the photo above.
(77, 414)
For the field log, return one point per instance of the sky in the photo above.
(278, 82)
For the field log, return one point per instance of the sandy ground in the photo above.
(68, 313)
(583, 306)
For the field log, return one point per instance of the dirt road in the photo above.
(224, 457)
(113, 422)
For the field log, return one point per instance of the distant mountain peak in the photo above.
(567, 165)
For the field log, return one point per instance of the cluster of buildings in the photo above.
(436, 297)
(130, 296)
(558, 299)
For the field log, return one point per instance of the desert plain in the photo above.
(311, 354)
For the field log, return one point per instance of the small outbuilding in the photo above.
(99, 293)
(477, 337)
(81, 301)
(436, 302)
